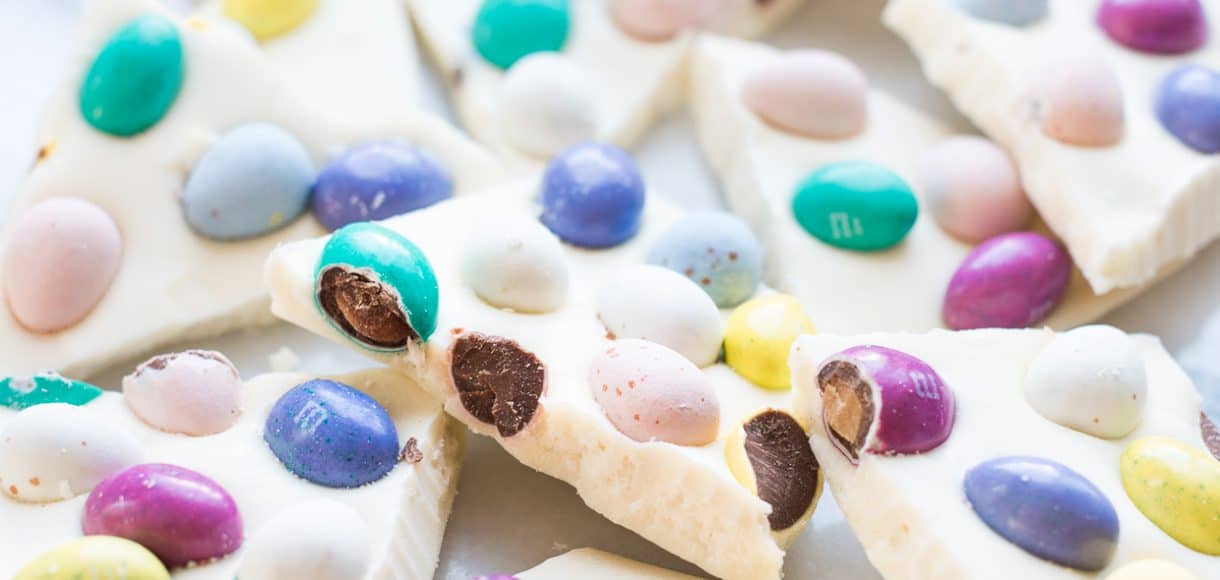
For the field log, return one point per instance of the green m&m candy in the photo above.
(506, 31)
(135, 78)
(855, 205)
(23, 393)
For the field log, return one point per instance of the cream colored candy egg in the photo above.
(195, 392)
(973, 189)
(320, 540)
(665, 307)
(547, 103)
(813, 93)
(1077, 97)
(516, 263)
(654, 20)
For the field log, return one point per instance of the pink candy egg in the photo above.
(59, 263)
(196, 392)
(653, 20)
(973, 189)
(813, 93)
(1078, 99)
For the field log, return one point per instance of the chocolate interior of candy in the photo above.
(847, 405)
(785, 470)
(497, 381)
(410, 452)
(364, 309)
(1211, 435)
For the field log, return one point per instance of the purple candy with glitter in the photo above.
(378, 180)
(1154, 26)
(1010, 281)
(1188, 105)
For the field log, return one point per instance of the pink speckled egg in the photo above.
(813, 93)
(653, 20)
(196, 392)
(973, 189)
(1077, 98)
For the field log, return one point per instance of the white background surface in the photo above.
(507, 517)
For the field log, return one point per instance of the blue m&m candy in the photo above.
(1188, 106)
(717, 251)
(378, 180)
(593, 196)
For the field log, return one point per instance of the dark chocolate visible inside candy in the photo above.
(410, 452)
(847, 400)
(785, 470)
(497, 381)
(364, 308)
(1211, 435)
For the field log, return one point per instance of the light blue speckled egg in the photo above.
(717, 251)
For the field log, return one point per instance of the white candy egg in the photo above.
(194, 392)
(516, 263)
(320, 539)
(547, 104)
(662, 306)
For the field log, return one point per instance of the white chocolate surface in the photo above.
(590, 564)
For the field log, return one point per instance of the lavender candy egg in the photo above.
(1010, 281)
(1188, 105)
(1154, 26)
(1011, 12)
(195, 392)
(375, 181)
(180, 515)
(717, 251)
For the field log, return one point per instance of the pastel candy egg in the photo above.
(269, 18)
(593, 196)
(319, 540)
(1077, 97)
(19, 393)
(134, 79)
(1188, 106)
(1152, 570)
(1154, 26)
(505, 31)
(973, 189)
(769, 454)
(758, 335)
(1046, 509)
(715, 250)
(56, 451)
(376, 287)
(651, 393)
(516, 263)
(884, 401)
(1010, 281)
(662, 306)
(180, 515)
(1090, 379)
(812, 93)
(547, 103)
(653, 20)
(101, 557)
(379, 180)
(331, 434)
(855, 205)
(194, 392)
(1011, 12)
(60, 261)
(1177, 487)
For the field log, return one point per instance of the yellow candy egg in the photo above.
(1177, 487)
(269, 18)
(758, 335)
(95, 557)
(1152, 570)
(769, 454)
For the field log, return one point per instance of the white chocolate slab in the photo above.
(591, 564)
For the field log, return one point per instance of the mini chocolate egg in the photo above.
(1152, 570)
(1177, 487)
(319, 540)
(855, 205)
(547, 103)
(1154, 26)
(253, 180)
(515, 263)
(884, 401)
(1010, 281)
(60, 261)
(1077, 98)
(662, 306)
(651, 393)
(267, 19)
(758, 336)
(194, 392)
(331, 434)
(134, 79)
(1090, 379)
(376, 287)
(497, 380)
(95, 557)
(769, 454)
(19, 393)
(654, 20)
(378, 180)
(812, 93)
(973, 189)
(506, 31)
(1011, 12)
(56, 451)
(715, 250)
(1046, 509)
(1188, 106)
(593, 196)
(180, 515)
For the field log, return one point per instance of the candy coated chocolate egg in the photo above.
(182, 516)
(255, 179)
(1077, 97)
(855, 205)
(651, 393)
(498, 382)
(194, 392)
(331, 434)
(1154, 26)
(376, 287)
(57, 451)
(1177, 487)
(1046, 509)
(269, 18)
(758, 335)
(1188, 105)
(769, 454)
(19, 393)
(319, 540)
(662, 306)
(100, 557)
(884, 401)
(505, 31)
(1010, 281)
(547, 103)
(812, 93)
(1152, 570)
(973, 189)
(654, 20)
(379, 180)
(1011, 12)
(135, 77)
(715, 250)
(1090, 379)
(515, 263)
(593, 196)
(60, 261)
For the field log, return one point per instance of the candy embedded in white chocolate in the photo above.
(317, 539)
(662, 306)
(194, 392)
(654, 20)
(517, 264)
(973, 189)
(814, 93)
(1076, 96)
(548, 103)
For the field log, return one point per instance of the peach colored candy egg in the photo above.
(973, 189)
(60, 261)
(653, 20)
(814, 93)
(196, 392)
(1078, 98)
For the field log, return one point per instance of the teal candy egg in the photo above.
(855, 205)
(506, 31)
(135, 78)
(19, 393)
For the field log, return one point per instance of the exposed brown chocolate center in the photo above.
(785, 470)
(410, 452)
(847, 405)
(364, 309)
(497, 381)
(1211, 435)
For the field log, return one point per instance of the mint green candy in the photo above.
(376, 287)
(506, 31)
(22, 393)
(855, 205)
(135, 78)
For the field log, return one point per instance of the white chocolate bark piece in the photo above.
(594, 564)
(172, 283)
(760, 166)
(1122, 223)
(404, 512)
(910, 511)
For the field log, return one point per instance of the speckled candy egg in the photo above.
(1152, 570)
(182, 516)
(547, 103)
(1011, 12)
(19, 393)
(61, 259)
(654, 20)
(95, 557)
(515, 263)
(267, 19)
(1010, 281)
(1077, 99)
(379, 180)
(505, 31)
(1046, 509)
(769, 454)
(319, 540)
(973, 189)
(1188, 106)
(651, 393)
(758, 336)
(662, 306)
(715, 250)
(194, 392)
(135, 77)
(593, 196)
(1177, 487)
(1154, 26)
(855, 205)
(812, 93)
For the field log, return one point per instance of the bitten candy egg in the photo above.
(973, 189)
(1011, 12)
(19, 393)
(593, 196)
(1188, 106)
(1077, 98)
(497, 380)
(1177, 487)
(547, 103)
(855, 205)
(1154, 26)
(654, 20)
(194, 392)
(1046, 509)
(651, 393)
(660, 305)
(1152, 570)
(318, 540)
(769, 454)
(758, 335)
(378, 180)
(812, 93)
(515, 263)
(715, 250)
(269, 18)
(1010, 281)
(101, 557)
(134, 79)
(505, 31)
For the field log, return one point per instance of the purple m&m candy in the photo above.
(1154, 26)
(592, 196)
(376, 181)
(1188, 105)
(1010, 281)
